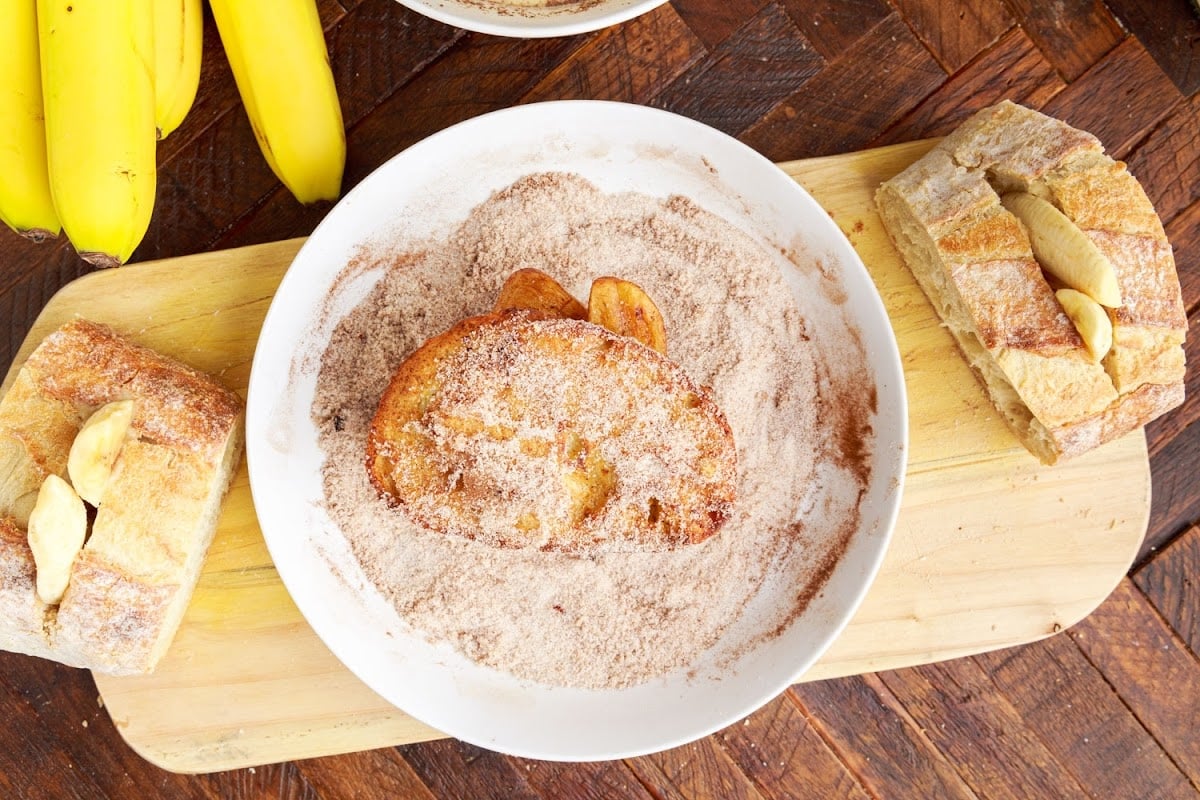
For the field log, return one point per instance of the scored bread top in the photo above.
(89, 365)
(518, 429)
(1101, 195)
(1016, 146)
(1001, 285)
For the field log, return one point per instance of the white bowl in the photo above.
(436, 183)
(531, 22)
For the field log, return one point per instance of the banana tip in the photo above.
(102, 260)
(39, 235)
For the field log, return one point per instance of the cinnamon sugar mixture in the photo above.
(529, 8)
(613, 619)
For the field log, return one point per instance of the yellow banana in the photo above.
(178, 42)
(1064, 250)
(276, 49)
(98, 88)
(25, 202)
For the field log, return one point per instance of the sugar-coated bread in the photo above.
(132, 581)
(517, 429)
(974, 261)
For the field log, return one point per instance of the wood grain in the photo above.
(380, 47)
(1175, 502)
(1127, 641)
(586, 781)
(714, 21)
(836, 28)
(1184, 234)
(747, 74)
(42, 696)
(784, 755)
(1169, 29)
(1162, 432)
(997, 756)
(343, 776)
(402, 77)
(1073, 34)
(1168, 166)
(451, 768)
(826, 115)
(1171, 582)
(631, 63)
(954, 33)
(1029, 79)
(1124, 79)
(1105, 747)
(883, 745)
(684, 772)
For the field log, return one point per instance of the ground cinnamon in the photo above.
(617, 619)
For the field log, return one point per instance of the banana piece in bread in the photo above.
(157, 508)
(974, 261)
(521, 429)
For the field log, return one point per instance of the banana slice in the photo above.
(1064, 250)
(625, 309)
(533, 289)
(57, 528)
(1091, 320)
(95, 449)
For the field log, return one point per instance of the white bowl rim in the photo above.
(532, 22)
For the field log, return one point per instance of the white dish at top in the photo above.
(531, 22)
(427, 189)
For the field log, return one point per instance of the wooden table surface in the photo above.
(1108, 709)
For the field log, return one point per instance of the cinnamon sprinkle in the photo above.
(613, 619)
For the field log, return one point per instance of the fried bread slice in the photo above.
(519, 429)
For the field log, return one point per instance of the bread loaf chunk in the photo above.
(974, 261)
(132, 581)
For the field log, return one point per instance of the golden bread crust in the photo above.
(974, 262)
(23, 613)
(1014, 308)
(518, 429)
(89, 365)
(1103, 196)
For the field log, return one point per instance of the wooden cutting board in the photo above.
(990, 549)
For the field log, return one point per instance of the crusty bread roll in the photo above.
(522, 430)
(974, 261)
(130, 584)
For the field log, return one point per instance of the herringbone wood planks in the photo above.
(1107, 710)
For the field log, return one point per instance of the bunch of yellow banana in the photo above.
(98, 91)
(91, 85)
(25, 202)
(178, 42)
(78, 121)
(277, 51)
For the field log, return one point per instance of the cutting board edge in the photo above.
(52, 316)
(182, 756)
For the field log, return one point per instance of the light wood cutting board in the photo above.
(990, 550)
